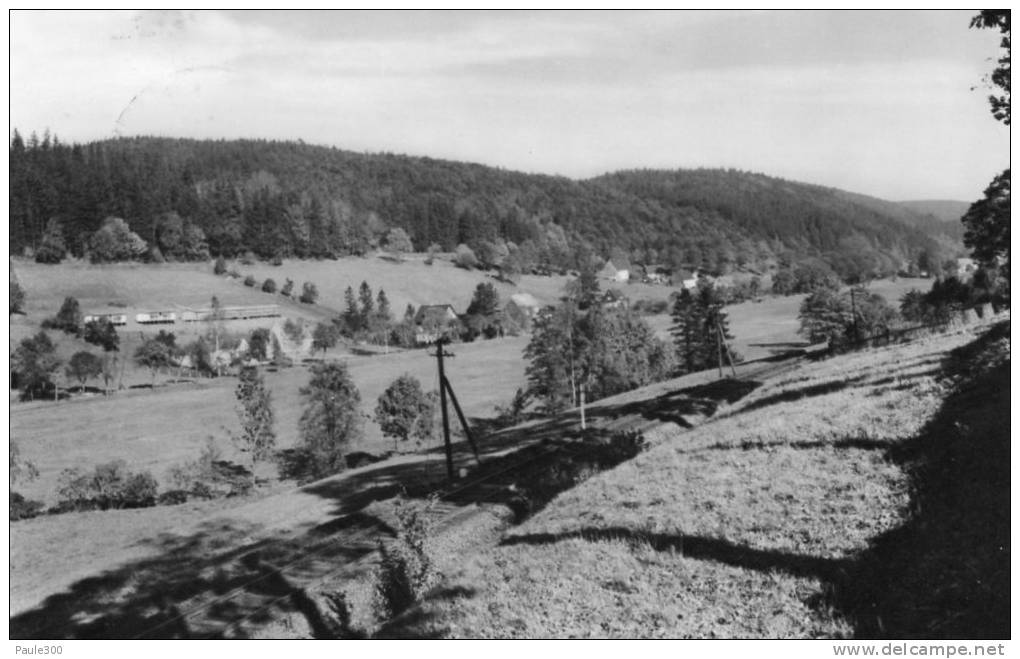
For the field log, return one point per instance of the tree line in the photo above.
(184, 198)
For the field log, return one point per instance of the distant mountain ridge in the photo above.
(296, 199)
(945, 210)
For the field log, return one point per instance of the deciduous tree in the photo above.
(404, 411)
(255, 412)
(101, 333)
(83, 366)
(324, 337)
(36, 360)
(331, 419)
(52, 248)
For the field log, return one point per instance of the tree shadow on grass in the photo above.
(218, 582)
(942, 574)
(702, 548)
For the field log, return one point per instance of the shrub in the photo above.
(172, 498)
(22, 508)
(250, 281)
(277, 260)
(269, 286)
(209, 477)
(288, 288)
(233, 274)
(139, 491)
(295, 330)
(465, 257)
(248, 258)
(339, 616)
(220, 267)
(109, 486)
(406, 571)
(309, 293)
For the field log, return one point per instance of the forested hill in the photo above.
(944, 210)
(291, 198)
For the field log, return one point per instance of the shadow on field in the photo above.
(685, 407)
(699, 547)
(216, 583)
(942, 574)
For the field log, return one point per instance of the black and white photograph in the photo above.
(504, 324)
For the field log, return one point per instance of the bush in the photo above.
(22, 508)
(277, 260)
(109, 486)
(209, 477)
(309, 293)
(465, 258)
(288, 288)
(248, 258)
(269, 286)
(220, 267)
(406, 572)
(139, 491)
(233, 274)
(295, 330)
(250, 281)
(172, 498)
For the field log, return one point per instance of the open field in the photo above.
(764, 328)
(828, 500)
(413, 282)
(156, 429)
(168, 425)
(861, 496)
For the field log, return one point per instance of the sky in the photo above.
(890, 104)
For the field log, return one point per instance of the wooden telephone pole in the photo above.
(720, 344)
(444, 389)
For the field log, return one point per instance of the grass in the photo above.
(813, 507)
(154, 430)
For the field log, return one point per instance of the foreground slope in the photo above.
(860, 496)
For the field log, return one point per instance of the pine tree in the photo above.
(367, 305)
(699, 325)
(383, 307)
(351, 316)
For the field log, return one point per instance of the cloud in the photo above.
(838, 98)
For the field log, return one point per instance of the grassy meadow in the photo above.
(827, 503)
(156, 429)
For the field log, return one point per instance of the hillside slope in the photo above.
(944, 210)
(287, 198)
(862, 496)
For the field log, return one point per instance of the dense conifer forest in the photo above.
(281, 199)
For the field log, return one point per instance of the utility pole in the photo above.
(718, 344)
(584, 424)
(853, 312)
(729, 357)
(442, 405)
(444, 389)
